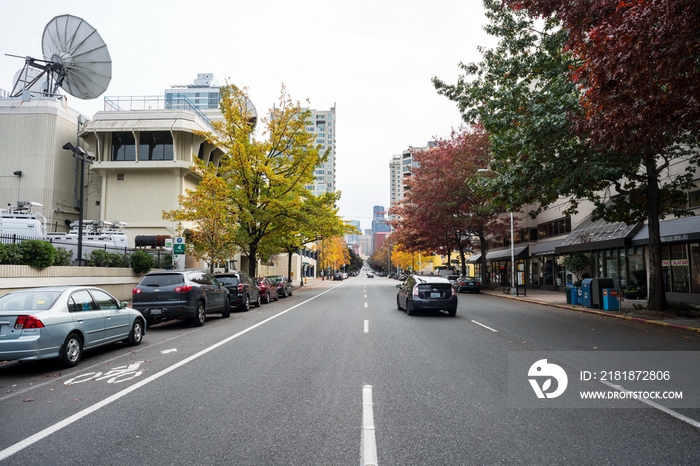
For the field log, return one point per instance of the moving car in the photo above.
(180, 294)
(243, 290)
(426, 292)
(268, 292)
(370, 274)
(60, 322)
(282, 283)
(469, 284)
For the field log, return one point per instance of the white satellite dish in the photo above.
(75, 59)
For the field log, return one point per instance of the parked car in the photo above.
(469, 284)
(426, 292)
(268, 291)
(61, 322)
(338, 276)
(452, 278)
(283, 285)
(180, 294)
(242, 289)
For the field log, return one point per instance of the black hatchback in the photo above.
(243, 289)
(426, 292)
(180, 294)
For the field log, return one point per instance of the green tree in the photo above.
(212, 220)
(265, 178)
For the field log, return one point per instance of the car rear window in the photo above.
(228, 281)
(28, 300)
(274, 280)
(164, 279)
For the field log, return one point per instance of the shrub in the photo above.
(37, 253)
(141, 262)
(99, 258)
(63, 256)
(10, 254)
(117, 259)
(164, 260)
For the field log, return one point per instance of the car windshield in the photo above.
(274, 279)
(164, 279)
(35, 300)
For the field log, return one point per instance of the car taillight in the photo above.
(26, 322)
(136, 291)
(478, 283)
(240, 287)
(415, 290)
(183, 289)
(454, 293)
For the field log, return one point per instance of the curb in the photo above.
(600, 313)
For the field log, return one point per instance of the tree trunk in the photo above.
(657, 292)
(289, 265)
(485, 278)
(252, 260)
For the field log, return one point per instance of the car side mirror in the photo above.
(123, 304)
(398, 286)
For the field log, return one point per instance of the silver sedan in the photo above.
(60, 322)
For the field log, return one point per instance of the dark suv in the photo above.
(242, 288)
(180, 294)
(429, 292)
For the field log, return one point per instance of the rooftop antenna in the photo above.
(76, 59)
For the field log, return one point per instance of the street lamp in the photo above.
(83, 156)
(514, 288)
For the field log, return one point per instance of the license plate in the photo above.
(434, 295)
(156, 312)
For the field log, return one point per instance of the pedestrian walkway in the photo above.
(627, 308)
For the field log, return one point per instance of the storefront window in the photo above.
(611, 266)
(695, 270)
(680, 273)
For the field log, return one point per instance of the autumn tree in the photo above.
(265, 178)
(206, 214)
(532, 94)
(444, 210)
(333, 253)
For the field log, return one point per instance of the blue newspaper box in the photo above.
(574, 295)
(586, 299)
(610, 301)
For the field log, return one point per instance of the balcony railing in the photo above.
(147, 103)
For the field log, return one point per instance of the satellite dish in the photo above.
(75, 59)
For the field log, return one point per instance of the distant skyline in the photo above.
(371, 59)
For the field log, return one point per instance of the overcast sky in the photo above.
(372, 59)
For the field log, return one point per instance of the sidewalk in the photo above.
(627, 312)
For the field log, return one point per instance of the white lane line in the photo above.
(366, 326)
(369, 441)
(365, 296)
(666, 410)
(21, 445)
(365, 305)
(485, 326)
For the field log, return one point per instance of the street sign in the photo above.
(168, 243)
(179, 246)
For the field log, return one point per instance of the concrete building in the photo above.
(323, 125)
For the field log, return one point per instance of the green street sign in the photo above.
(179, 248)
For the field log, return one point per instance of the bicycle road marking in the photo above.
(32, 439)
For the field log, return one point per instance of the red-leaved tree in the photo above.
(443, 211)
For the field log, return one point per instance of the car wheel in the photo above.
(257, 303)
(398, 304)
(72, 351)
(290, 291)
(277, 296)
(409, 310)
(226, 312)
(136, 334)
(267, 298)
(201, 315)
(452, 312)
(284, 293)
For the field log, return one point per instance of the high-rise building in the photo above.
(322, 124)
(400, 168)
(379, 224)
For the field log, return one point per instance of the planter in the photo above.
(632, 295)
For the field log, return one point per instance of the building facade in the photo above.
(323, 126)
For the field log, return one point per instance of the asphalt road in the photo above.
(336, 375)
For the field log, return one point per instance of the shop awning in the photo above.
(680, 229)
(599, 234)
(504, 254)
(546, 249)
(474, 258)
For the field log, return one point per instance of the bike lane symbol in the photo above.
(115, 375)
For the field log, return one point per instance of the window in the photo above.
(81, 301)
(557, 227)
(156, 145)
(120, 176)
(104, 301)
(694, 199)
(123, 147)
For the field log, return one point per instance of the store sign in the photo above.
(675, 263)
